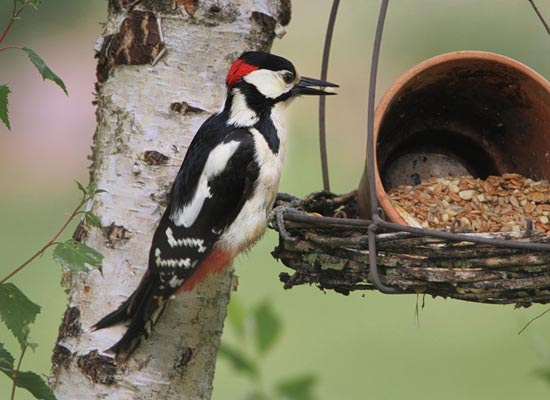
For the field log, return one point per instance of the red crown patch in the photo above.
(238, 69)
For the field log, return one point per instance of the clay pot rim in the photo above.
(412, 73)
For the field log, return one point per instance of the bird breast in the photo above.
(251, 222)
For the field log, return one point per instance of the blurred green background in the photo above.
(359, 347)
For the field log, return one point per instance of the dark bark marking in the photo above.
(116, 233)
(185, 357)
(267, 22)
(136, 43)
(153, 157)
(119, 5)
(221, 12)
(70, 327)
(185, 108)
(214, 9)
(81, 232)
(100, 369)
(190, 6)
(161, 197)
(61, 357)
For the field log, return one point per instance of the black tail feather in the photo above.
(117, 316)
(142, 309)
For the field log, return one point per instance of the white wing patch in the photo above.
(171, 262)
(185, 242)
(240, 114)
(175, 282)
(215, 164)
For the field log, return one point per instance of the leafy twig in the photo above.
(266, 329)
(16, 371)
(35, 59)
(9, 47)
(87, 195)
(18, 312)
(51, 242)
(14, 15)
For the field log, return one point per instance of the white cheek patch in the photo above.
(215, 165)
(269, 83)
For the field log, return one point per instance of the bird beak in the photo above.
(304, 87)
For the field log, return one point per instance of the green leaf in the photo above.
(4, 92)
(44, 70)
(26, 380)
(238, 360)
(542, 373)
(32, 345)
(256, 395)
(6, 359)
(92, 219)
(34, 384)
(542, 349)
(268, 326)
(75, 256)
(98, 191)
(297, 388)
(236, 316)
(81, 188)
(35, 3)
(90, 190)
(17, 311)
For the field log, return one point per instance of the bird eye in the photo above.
(288, 77)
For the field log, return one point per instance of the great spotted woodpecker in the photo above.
(223, 192)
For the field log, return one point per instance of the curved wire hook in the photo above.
(370, 153)
(541, 18)
(322, 99)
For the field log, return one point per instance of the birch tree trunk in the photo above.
(160, 73)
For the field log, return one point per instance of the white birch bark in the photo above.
(139, 110)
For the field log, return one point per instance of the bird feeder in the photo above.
(462, 113)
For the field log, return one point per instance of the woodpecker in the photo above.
(223, 193)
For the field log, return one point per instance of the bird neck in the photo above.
(240, 113)
(244, 110)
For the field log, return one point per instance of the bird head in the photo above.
(267, 77)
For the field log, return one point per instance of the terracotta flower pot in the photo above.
(461, 113)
